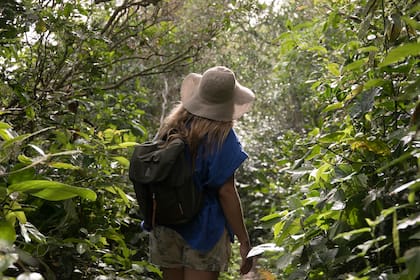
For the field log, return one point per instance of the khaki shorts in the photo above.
(169, 250)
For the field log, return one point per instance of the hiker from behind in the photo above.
(200, 249)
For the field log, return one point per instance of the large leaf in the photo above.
(400, 53)
(7, 234)
(51, 190)
(266, 247)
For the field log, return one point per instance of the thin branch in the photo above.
(150, 71)
(40, 160)
(120, 9)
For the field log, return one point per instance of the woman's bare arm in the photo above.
(232, 208)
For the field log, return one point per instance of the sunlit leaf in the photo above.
(400, 53)
(414, 185)
(123, 161)
(123, 145)
(29, 231)
(410, 221)
(355, 65)
(368, 49)
(24, 159)
(334, 69)
(7, 234)
(332, 137)
(377, 146)
(16, 212)
(271, 217)
(315, 150)
(63, 165)
(4, 125)
(350, 234)
(266, 247)
(120, 192)
(38, 149)
(51, 190)
(277, 228)
(333, 107)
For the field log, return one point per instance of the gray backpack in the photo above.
(163, 182)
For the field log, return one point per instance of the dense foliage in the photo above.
(331, 188)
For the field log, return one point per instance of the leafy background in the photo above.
(332, 184)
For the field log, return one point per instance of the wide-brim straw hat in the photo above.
(216, 95)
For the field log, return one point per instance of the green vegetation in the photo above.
(333, 176)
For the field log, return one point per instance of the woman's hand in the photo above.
(246, 264)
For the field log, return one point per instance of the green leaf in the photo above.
(334, 69)
(333, 107)
(315, 150)
(123, 161)
(5, 134)
(7, 234)
(400, 53)
(22, 174)
(332, 137)
(374, 83)
(4, 125)
(368, 49)
(411, 22)
(68, 9)
(318, 49)
(277, 228)
(271, 217)
(120, 192)
(123, 145)
(24, 159)
(376, 146)
(50, 190)
(290, 228)
(21, 138)
(349, 235)
(63, 165)
(355, 65)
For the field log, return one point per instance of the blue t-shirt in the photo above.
(211, 172)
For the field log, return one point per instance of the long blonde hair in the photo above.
(194, 130)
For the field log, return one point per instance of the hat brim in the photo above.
(241, 103)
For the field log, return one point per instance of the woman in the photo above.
(200, 249)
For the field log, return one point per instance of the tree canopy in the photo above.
(331, 187)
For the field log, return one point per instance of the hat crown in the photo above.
(216, 95)
(217, 85)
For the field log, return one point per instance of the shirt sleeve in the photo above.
(223, 163)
